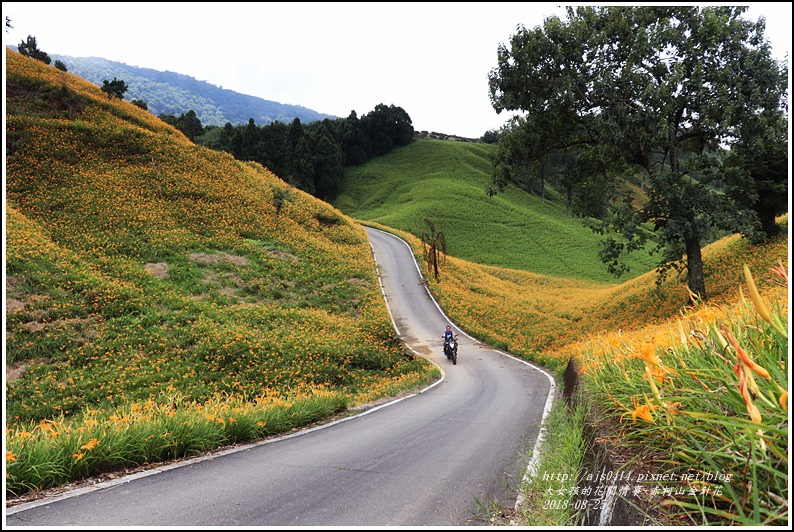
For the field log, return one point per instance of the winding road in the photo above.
(441, 457)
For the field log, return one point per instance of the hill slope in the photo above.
(445, 182)
(141, 267)
(176, 94)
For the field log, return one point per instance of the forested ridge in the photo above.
(172, 93)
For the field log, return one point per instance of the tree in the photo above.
(273, 150)
(250, 141)
(434, 248)
(386, 127)
(492, 136)
(115, 88)
(190, 125)
(328, 163)
(301, 160)
(354, 141)
(60, 65)
(652, 88)
(302, 175)
(757, 163)
(758, 175)
(29, 48)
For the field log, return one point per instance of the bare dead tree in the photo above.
(434, 248)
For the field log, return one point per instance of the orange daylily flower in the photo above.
(755, 414)
(648, 354)
(92, 443)
(743, 356)
(781, 272)
(640, 411)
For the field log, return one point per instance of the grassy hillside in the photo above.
(445, 182)
(155, 287)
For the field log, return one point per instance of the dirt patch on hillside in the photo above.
(157, 269)
(215, 258)
(13, 304)
(283, 255)
(15, 370)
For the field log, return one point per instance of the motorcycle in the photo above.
(451, 350)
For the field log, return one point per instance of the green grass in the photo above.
(548, 497)
(445, 182)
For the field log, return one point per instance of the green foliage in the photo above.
(29, 48)
(60, 66)
(656, 88)
(387, 127)
(280, 197)
(328, 169)
(492, 136)
(547, 494)
(715, 415)
(188, 123)
(312, 157)
(115, 88)
(756, 172)
(56, 451)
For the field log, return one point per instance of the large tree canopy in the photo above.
(661, 89)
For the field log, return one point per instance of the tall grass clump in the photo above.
(705, 401)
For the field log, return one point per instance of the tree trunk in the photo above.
(694, 264)
(766, 213)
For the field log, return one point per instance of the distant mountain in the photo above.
(175, 94)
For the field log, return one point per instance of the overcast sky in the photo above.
(431, 59)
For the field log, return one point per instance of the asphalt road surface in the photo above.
(441, 457)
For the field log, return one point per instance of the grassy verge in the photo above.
(53, 452)
(548, 497)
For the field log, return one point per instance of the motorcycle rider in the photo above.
(448, 337)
